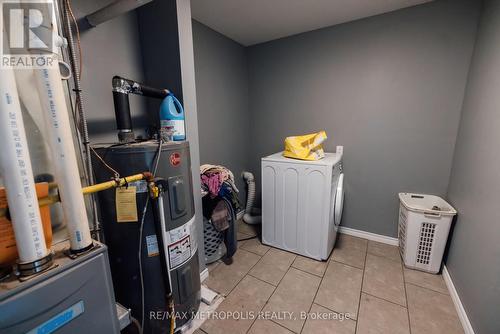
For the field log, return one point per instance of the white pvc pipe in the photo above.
(67, 174)
(15, 165)
(58, 129)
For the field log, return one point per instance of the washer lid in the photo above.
(330, 159)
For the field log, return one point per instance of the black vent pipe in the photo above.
(121, 89)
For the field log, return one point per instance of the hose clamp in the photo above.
(31, 268)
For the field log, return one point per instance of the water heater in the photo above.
(121, 214)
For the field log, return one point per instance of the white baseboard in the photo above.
(370, 236)
(204, 274)
(462, 315)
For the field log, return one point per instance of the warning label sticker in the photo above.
(179, 252)
(181, 244)
(152, 245)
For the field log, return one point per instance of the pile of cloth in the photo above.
(218, 181)
(220, 202)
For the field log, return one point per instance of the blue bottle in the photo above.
(172, 119)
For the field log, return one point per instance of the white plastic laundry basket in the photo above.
(424, 224)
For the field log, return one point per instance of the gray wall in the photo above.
(389, 88)
(474, 255)
(222, 98)
(109, 49)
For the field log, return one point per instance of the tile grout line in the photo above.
(383, 299)
(317, 290)
(406, 296)
(274, 290)
(321, 280)
(349, 265)
(239, 281)
(426, 288)
(256, 252)
(271, 296)
(260, 279)
(361, 292)
(345, 264)
(274, 322)
(320, 276)
(404, 267)
(385, 257)
(333, 311)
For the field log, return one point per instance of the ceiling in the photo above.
(251, 22)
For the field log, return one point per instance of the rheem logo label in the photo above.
(175, 159)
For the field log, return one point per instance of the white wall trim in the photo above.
(204, 275)
(370, 236)
(462, 315)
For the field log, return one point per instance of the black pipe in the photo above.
(153, 92)
(123, 117)
(122, 87)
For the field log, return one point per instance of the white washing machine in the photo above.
(302, 203)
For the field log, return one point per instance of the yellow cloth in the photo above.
(306, 147)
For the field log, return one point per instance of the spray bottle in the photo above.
(172, 119)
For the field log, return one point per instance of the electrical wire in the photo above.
(158, 157)
(144, 210)
(116, 174)
(141, 228)
(137, 324)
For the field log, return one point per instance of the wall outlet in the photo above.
(340, 150)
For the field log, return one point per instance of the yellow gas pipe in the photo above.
(52, 199)
(115, 183)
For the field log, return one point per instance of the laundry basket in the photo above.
(424, 224)
(213, 242)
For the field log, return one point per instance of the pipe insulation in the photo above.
(60, 139)
(249, 216)
(15, 166)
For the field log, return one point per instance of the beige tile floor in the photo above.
(362, 288)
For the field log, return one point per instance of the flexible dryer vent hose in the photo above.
(249, 216)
